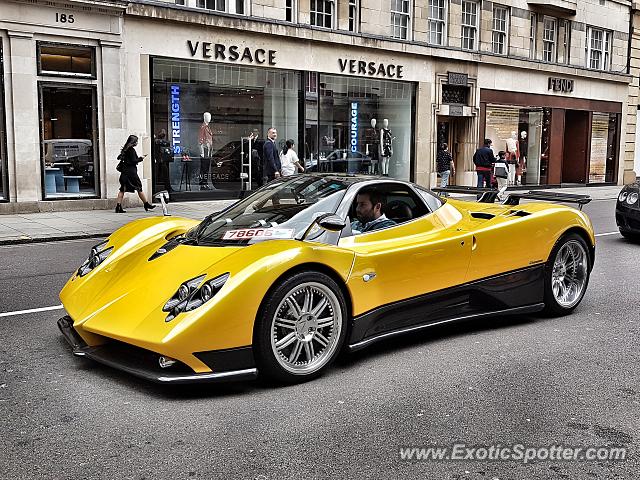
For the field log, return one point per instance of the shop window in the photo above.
(526, 132)
(363, 126)
(322, 13)
(549, 38)
(210, 122)
(69, 134)
(180, 2)
(604, 147)
(400, 19)
(598, 48)
(533, 32)
(437, 22)
(67, 60)
(470, 25)
(354, 16)
(499, 34)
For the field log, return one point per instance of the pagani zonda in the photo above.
(628, 211)
(278, 283)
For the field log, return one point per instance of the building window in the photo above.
(565, 42)
(180, 2)
(289, 10)
(437, 22)
(533, 32)
(354, 16)
(598, 48)
(469, 25)
(231, 6)
(400, 19)
(66, 60)
(549, 35)
(322, 13)
(500, 29)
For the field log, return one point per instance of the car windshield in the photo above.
(283, 209)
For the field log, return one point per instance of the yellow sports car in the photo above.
(283, 280)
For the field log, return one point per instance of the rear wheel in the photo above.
(301, 328)
(566, 275)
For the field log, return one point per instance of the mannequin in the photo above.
(372, 145)
(524, 148)
(386, 147)
(205, 139)
(513, 156)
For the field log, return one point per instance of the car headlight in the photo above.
(98, 254)
(632, 198)
(623, 196)
(193, 294)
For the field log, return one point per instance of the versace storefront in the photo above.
(210, 119)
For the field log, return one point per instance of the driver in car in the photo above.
(369, 207)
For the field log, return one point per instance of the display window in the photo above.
(604, 146)
(524, 135)
(359, 125)
(68, 117)
(211, 121)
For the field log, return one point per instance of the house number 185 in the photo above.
(64, 18)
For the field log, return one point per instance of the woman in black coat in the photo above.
(129, 180)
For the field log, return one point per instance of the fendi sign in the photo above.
(371, 69)
(560, 84)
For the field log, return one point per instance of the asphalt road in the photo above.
(531, 380)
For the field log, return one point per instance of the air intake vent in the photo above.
(482, 215)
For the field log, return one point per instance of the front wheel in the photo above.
(566, 275)
(301, 328)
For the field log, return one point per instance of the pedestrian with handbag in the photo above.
(501, 172)
(128, 168)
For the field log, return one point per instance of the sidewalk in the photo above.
(44, 227)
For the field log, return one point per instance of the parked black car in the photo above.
(628, 211)
(342, 161)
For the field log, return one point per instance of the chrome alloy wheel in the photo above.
(306, 328)
(569, 276)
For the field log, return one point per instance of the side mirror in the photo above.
(332, 223)
(329, 222)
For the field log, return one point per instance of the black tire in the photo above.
(282, 331)
(632, 237)
(555, 275)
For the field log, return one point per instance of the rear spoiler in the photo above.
(486, 195)
(515, 197)
(489, 195)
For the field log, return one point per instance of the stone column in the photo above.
(627, 157)
(111, 117)
(24, 143)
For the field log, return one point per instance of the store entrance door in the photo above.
(576, 146)
(456, 133)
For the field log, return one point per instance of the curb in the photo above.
(56, 238)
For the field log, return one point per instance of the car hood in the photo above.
(122, 292)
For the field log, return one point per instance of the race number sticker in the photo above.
(260, 233)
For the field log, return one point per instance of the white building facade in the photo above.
(343, 79)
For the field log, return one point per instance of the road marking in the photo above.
(607, 234)
(33, 310)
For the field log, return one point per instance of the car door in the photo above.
(424, 255)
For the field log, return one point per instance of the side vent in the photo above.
(517, 213)
(482, 215)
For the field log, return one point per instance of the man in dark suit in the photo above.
(270, 158)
